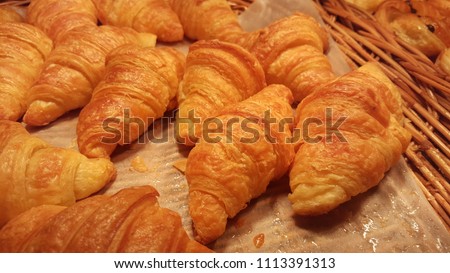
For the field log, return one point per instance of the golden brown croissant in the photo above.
(74, 68)
(351, 133)
(418, 23)
(138, 85)
(129, 221)
(153, 16)
(8, 14)
(34, 173)
(207, 19)
(443, 61)
(233, 164)
(369, 6)
(217, 74)
(23, 49)
(56, 17)
(291, 53)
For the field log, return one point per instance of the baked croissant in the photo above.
(8, 14)
(217, 74)
(443, 61)
(207, 19)
(418, 23)
(369, 6)
(128, 221)
(33, 173)
(291, 51)
(138, 85)
(23, 49)
(74, 68)
(153, 16)
(56, 17)
(351, 134)
(229, 166)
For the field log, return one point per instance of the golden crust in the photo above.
(330, 167)
(207, 19)
(217, 74)
(291, 51)
(420, 24)
(8, 14)
(33, 173)
(129, 221)
(153, 16)
(57, 17)
(139, 80)
(231, 166)
(73, 69)
(23, 49)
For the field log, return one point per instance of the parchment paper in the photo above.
(392, 217)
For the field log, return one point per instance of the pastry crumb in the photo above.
(180, 165)
(258, 240)
(138, 165)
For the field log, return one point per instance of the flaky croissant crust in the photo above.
(128, 221)
(32, 172)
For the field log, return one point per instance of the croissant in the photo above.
(420, 24)
(56, 17)
(229, 166)
(34, 173)
(128, 221)
(207, 19)
(73, 69)
(217, 74)
(351, 133)
(8, 14)
(369, 6)
(138, 85)
(291, 53)
(23, 49)
(153, 16)
(443, 61)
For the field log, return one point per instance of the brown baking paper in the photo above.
(392, 217)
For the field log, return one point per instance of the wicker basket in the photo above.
(425, 89)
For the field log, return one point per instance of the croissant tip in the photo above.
(316, 199)
(41, 113)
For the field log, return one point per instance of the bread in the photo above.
(217, 74)
(33, 172)
(56, 17)
(8, 14)
(128, 221)
(351, 133)
(152, 16)
(23, 50)
(443, 61)
(207, 19)
(420, 24)
(235, 161)
(291, 51)
(73, 69)
(138, 85)
(369, 6)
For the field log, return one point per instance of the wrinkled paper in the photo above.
(392, 217)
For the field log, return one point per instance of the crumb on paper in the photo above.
(258, 240)
(180, 165)
(138, 165)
